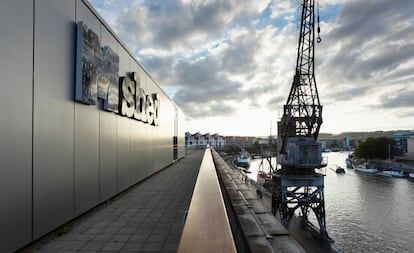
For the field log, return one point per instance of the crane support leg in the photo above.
(304, 193)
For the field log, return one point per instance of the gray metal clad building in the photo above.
(63, 150)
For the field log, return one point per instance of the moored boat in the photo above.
(391, 173)
(243, 159)
(365, 168)
(348, 161)
(381, 173)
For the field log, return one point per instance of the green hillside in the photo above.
(356, 135)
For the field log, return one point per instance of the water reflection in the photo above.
(365, 213)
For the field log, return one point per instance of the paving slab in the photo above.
(286, 243)
(258, 206)
(271, 225)
(250, 225)
(260, 244)
(147, 217)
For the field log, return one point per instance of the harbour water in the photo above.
(366, 213)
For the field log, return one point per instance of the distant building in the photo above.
(332, 143)
(246, 141)
(217, 141)
(410, 146)
(344, 143)
(199, 140)
(400, 138)
(240, 141)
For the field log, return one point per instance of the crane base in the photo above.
(306, 192)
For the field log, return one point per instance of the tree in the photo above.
(255, 148)
(375, 148)
(233, 149)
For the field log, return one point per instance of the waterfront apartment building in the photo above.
(401, 139)
(344, 143)
(410, 146)
(81, 119)
(199, 140)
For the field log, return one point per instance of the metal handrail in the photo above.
(207, 228)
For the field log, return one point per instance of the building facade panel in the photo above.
(181, 133)
(16, 25)
(107, 136)
(146, 151)
(123, 129)
(141, 158)
(410, 146)
(137, 159)
(107, 155)
(163, 144)
(122, 153)
(86, 137)
(53, 114)
(148, 136)
(86, 171)
(134, 154)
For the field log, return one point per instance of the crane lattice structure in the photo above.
(296, 185)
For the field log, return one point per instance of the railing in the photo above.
(207, 227)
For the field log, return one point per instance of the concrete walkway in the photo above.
(149, 217)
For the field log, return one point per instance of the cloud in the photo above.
(282, 9)
(366, 46)
(177, 24)
(159, 63)
(203, 87)
(219, 58)
(208, 50)
(238, 72)
(239, 58)
(276, 102)
(403, 98)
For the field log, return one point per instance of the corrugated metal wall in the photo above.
(59, 158)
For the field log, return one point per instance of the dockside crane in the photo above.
(297, 185)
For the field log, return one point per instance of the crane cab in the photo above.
(303, 154)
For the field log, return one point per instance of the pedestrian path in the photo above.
(149, 217)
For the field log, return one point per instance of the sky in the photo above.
(229, 64)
